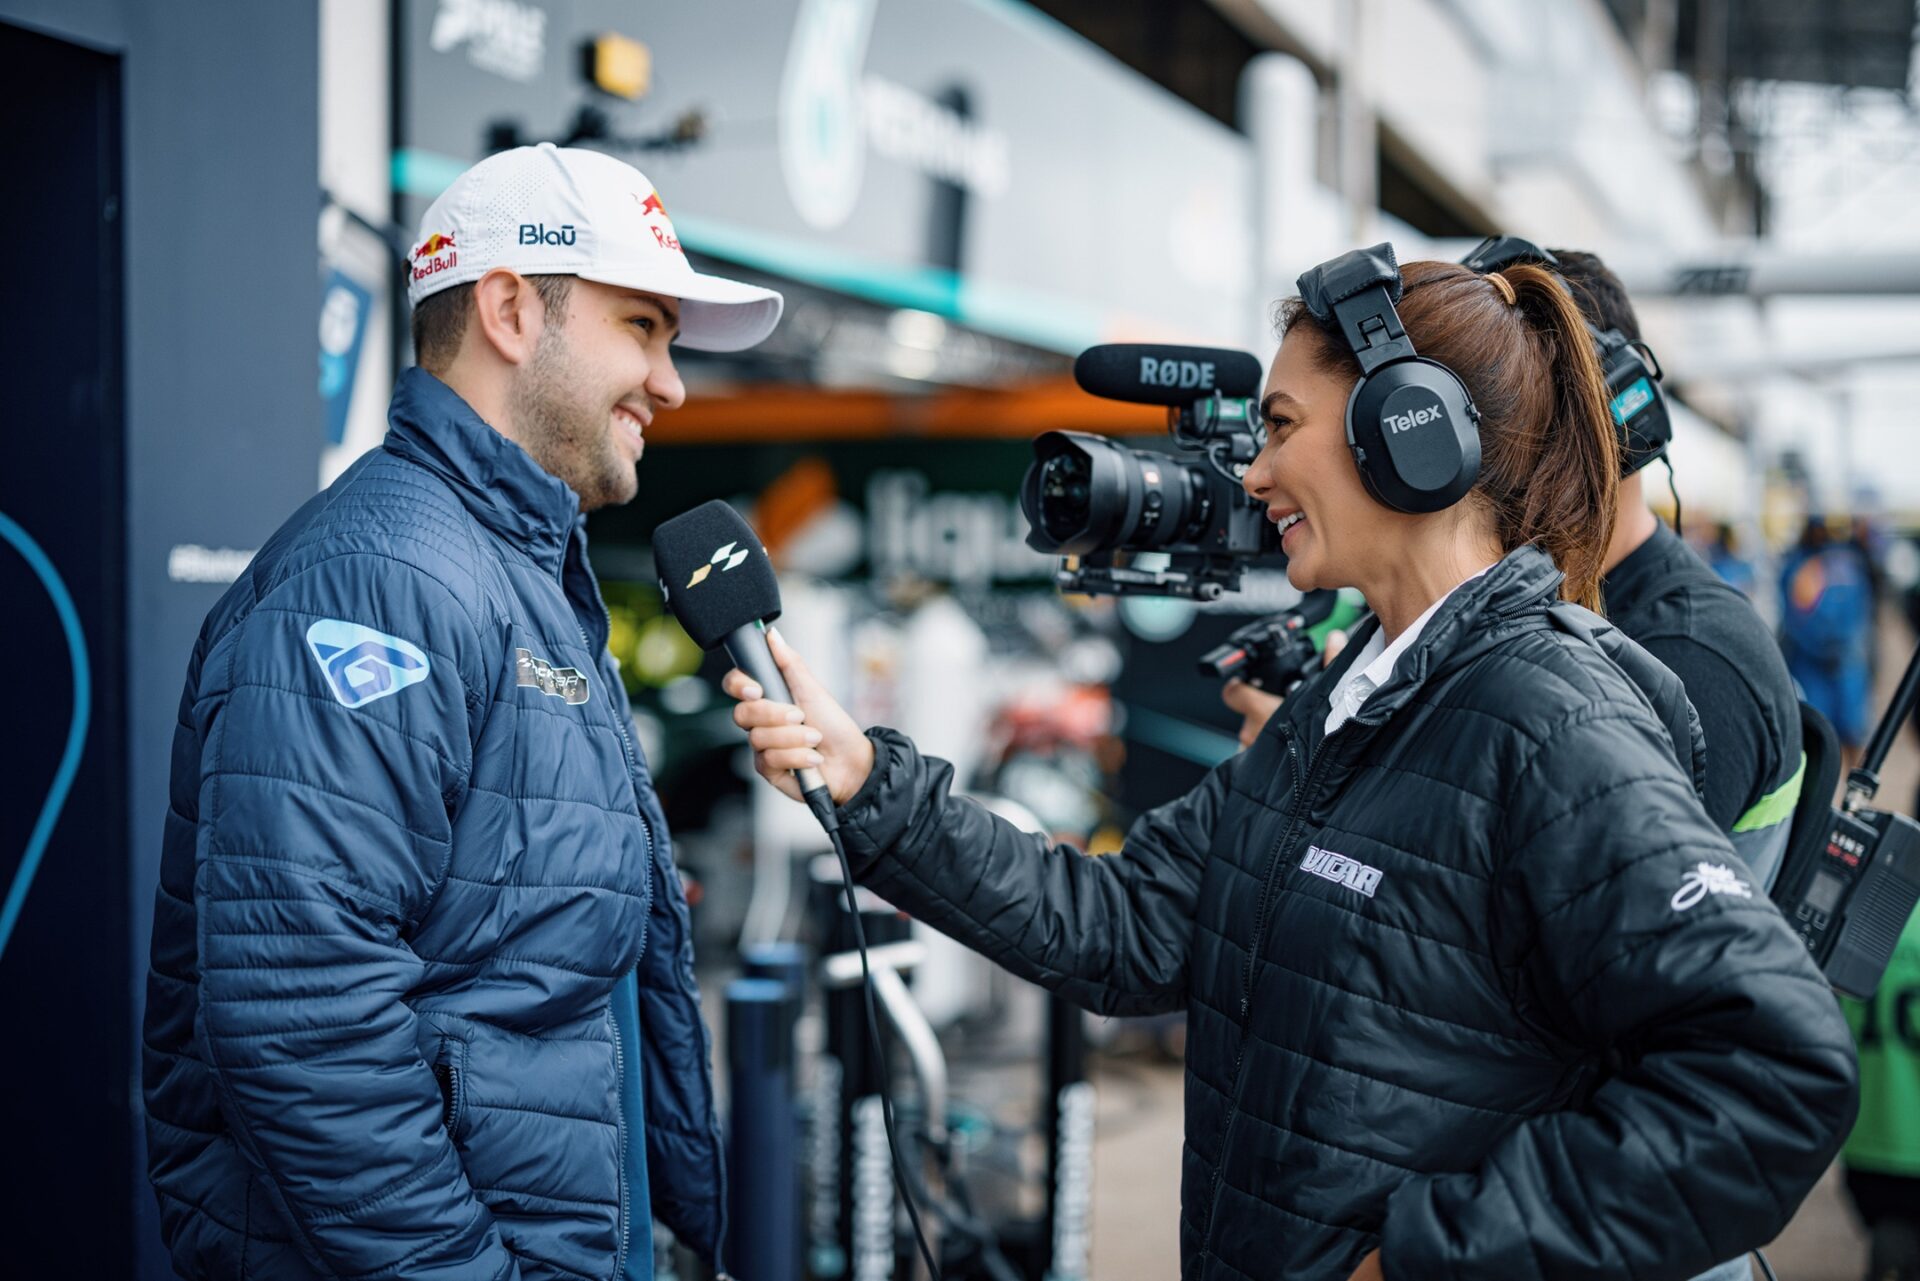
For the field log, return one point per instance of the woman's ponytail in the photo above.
(1567, 505)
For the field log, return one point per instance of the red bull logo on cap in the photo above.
(651, 205)
(430, 250)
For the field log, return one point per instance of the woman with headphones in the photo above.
(1474, 987)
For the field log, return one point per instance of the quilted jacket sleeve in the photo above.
(333, 757)
(1720, 1077)
(1110, 933)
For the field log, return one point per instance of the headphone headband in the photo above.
(1358, 290)
(1496, 253)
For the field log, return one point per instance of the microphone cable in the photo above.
(820, 801)
(1673, 487)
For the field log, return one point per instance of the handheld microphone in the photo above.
(1161, 374)
(717, 580)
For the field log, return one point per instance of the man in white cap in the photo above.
(421, 998)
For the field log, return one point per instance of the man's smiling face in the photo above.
(582, 405)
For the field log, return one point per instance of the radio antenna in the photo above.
(1864, 781)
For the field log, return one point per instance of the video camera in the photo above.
(1277, 653)
(1088, 498)
(1852, 874)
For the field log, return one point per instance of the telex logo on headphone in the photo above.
(1412, 418)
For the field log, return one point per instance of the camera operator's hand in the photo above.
(818, 734)
(1256, 706)
(1330, 649)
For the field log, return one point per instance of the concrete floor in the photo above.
(1136, 1182)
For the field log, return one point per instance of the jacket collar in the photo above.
(498, 481)
(1523, 584)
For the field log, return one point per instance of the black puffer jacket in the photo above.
(1473, 980)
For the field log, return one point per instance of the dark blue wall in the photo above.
(223, 423)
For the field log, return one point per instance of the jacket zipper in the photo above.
(449, 1076)
(619, 1056)
(1301, 797)
(633, 775)
(620, 1132)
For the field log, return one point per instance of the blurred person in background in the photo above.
(421, 998)
(1882, 1154)
(1864, 541)
(1724, 558)
(1475, 988)
(1826, 617)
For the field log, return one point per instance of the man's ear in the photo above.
(509, 314)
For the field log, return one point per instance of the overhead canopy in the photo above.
(1867, 43)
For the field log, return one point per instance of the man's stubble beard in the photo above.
(558, 419)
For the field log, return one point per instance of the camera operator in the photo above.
(1474, 986)
(1662, 595)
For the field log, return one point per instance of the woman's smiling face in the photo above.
(1330, 527)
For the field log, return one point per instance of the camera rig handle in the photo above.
(1200, 578)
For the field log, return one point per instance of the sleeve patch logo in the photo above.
(1705, 879)
(361, 664)
(565, 683)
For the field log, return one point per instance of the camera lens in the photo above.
(1066, 486)
(1086, 494)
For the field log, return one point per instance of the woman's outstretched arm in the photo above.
(1109, 932)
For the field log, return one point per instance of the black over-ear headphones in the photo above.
(1411, 424)
(1633, 375)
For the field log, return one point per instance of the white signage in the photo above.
(506, 37)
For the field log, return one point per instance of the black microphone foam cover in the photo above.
(714, 573)
(1160, 374)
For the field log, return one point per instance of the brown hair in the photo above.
(1549, 455)
(440, 320)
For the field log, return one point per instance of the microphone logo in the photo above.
(727, 558)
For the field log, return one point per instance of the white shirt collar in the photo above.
(1373, 665)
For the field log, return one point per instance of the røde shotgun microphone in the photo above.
(1160, 374)
(718, 582)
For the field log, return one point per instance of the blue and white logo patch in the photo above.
(361, 664)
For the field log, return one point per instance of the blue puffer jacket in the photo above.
(412, 861)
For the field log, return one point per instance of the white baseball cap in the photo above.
(564, 211)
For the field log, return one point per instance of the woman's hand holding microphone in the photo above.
(817, 734)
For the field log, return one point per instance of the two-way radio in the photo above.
(1851, 879)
